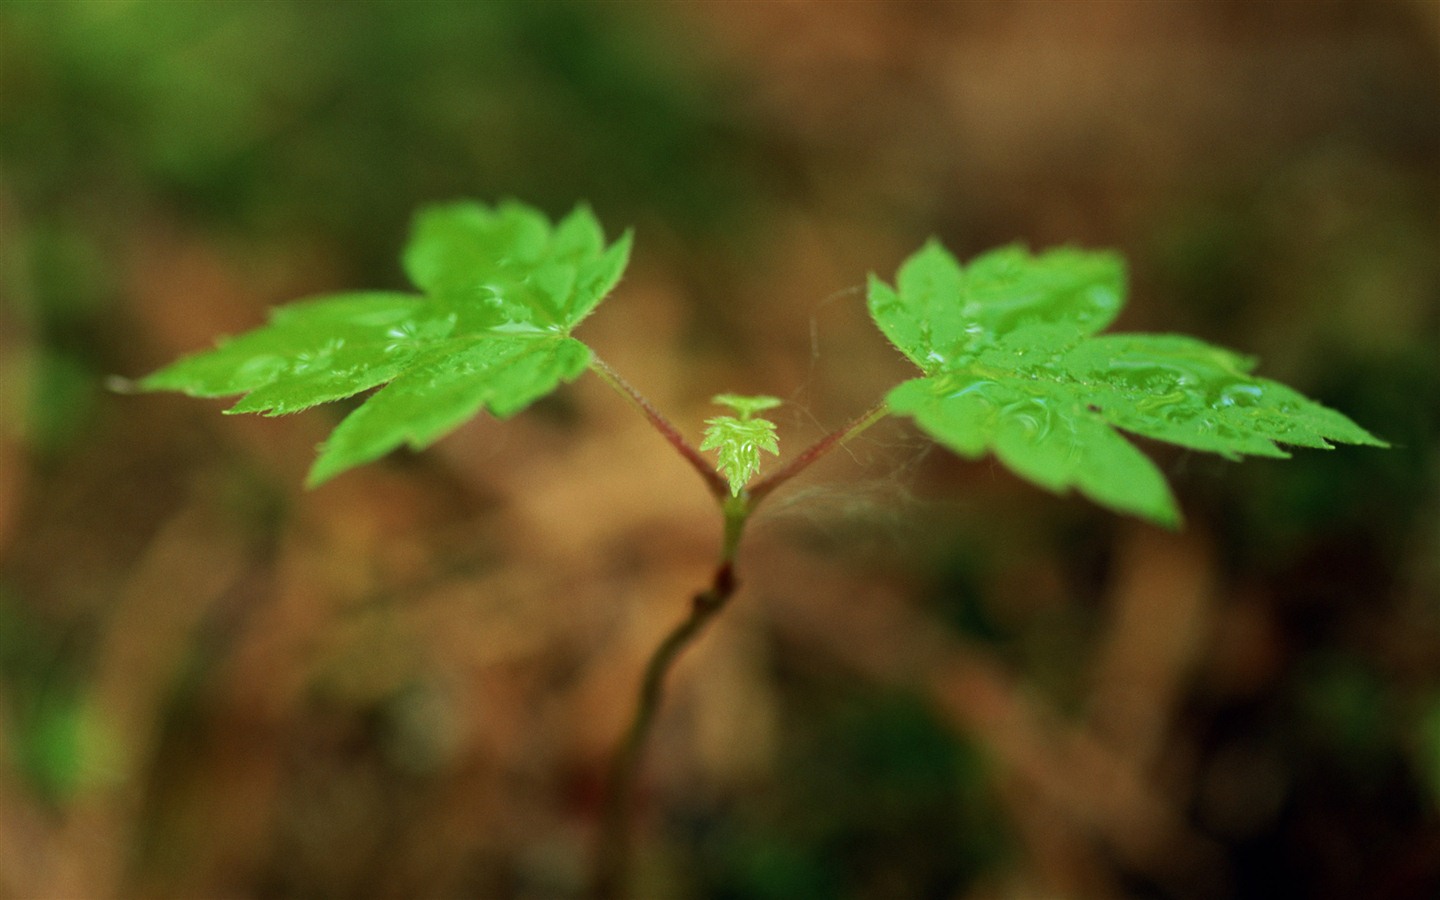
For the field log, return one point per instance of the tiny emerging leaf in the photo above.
(746, 406)
(1012, 365)
(740, 440)
(503, 289)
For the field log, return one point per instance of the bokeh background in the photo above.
(936, 682)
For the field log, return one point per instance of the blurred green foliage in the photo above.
(343, 116)
(874, 798)
(289, 118)
(1287, 209)
(54, 742)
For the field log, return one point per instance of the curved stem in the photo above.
(613, 853)
(612, 861)
(713, 479)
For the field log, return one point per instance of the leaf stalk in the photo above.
(614, 856)
(815, 451)
(714, 481)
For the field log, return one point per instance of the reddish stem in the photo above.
(810, 454)
(713, 479)
(613, 859)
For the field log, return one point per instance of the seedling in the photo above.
(1011, 358)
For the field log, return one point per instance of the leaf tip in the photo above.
(1366, 439)
(322, 470)
(119, 384)
(1170, 519)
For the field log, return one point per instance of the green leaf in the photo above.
(739, 441)
(503, 289)
(939, 311)
(511, 260)
(1014, 367)
(746, 406)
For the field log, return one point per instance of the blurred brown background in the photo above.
(937, 682)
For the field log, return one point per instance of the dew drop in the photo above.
(1239, 395)
(260, 369)
(519, 327)
(1033, 415)
(312, 359)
